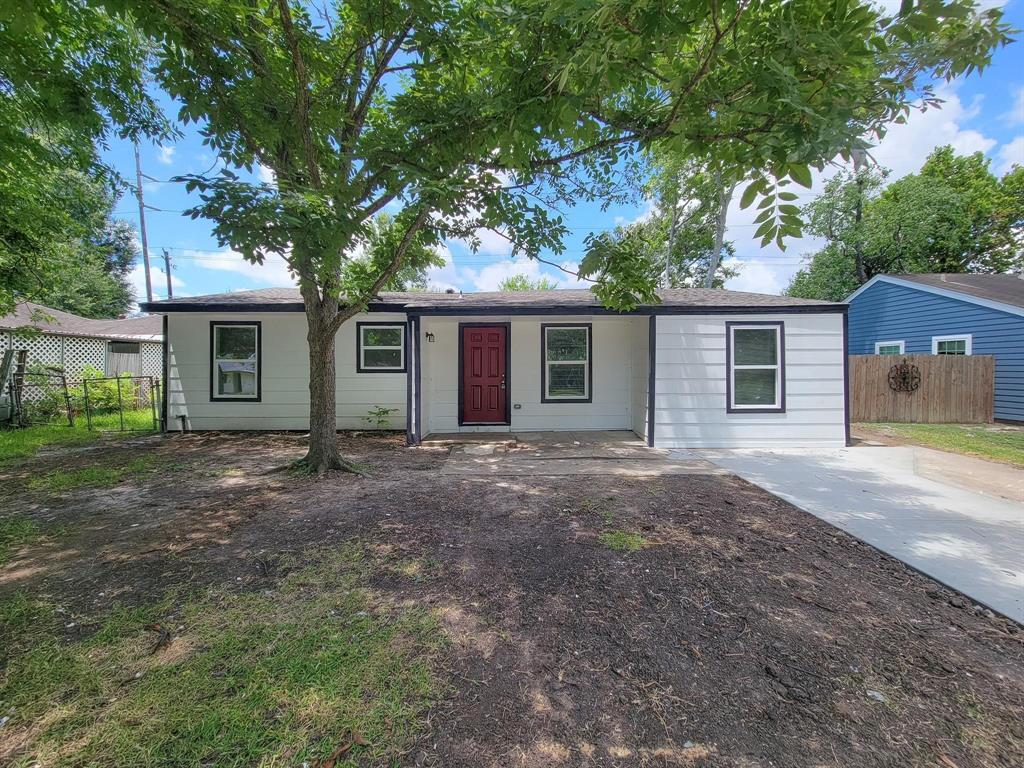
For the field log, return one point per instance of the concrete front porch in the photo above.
(596, 452)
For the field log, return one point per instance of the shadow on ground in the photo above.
(740, 632)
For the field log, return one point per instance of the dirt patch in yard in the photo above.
(605, 621)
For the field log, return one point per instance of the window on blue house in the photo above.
(951, 345)
(889, 347)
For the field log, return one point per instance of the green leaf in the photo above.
(801, 174)
(748, 195)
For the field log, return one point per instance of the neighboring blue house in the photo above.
(946, 315)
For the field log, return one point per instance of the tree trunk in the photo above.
(858, 215)
(323, 454)
(724, 198)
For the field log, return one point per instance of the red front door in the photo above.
(484, 383)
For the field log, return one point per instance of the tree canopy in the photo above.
(72, 75)
(954, 215)
(521, 282)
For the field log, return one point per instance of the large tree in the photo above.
(955, 215)
(678, 243)
(521, 282)
(480, 114)
(72, 75)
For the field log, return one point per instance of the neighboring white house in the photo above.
(60, 339)
(715, 368)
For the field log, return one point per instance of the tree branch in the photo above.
(302, 95)
(397, 262)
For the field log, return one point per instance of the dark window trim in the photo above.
(214, 397)
(781, 325)
(136, 344)
(544, 364)
(508, 376)
(403, 324)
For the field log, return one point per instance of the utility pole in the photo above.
(142, 225)
(167, 269)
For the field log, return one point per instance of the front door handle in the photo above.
(503, 381)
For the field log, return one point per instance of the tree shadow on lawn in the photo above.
(741, 631)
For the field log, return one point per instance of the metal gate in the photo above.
(123, 402)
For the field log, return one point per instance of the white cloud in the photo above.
(158, 278)
(273, 272)
(1010, 154)
(1016, 114)
(490, 276)
(165, 155)
(266, 175)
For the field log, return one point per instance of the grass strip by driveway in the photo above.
(284, 676)
(983, 441)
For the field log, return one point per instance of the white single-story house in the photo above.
(702, 369)
(131, 345)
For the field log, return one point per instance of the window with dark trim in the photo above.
(235, 360)
(755, 367)
(566, 362)
(380, 347)
(124, 347)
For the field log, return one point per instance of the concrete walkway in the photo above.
(958, 519)
(561, 453)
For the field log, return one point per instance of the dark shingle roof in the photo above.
(570, 299)
(27, 314)
(1006, 289)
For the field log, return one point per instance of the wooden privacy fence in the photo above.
(924, 389)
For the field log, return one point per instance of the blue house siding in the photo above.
(889, 312)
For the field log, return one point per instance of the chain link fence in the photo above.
(43, 395)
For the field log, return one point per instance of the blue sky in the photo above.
(981, 113)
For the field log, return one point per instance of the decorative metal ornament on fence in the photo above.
(904, 377)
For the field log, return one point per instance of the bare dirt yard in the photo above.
(183, 601)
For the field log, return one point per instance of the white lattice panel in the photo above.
(79, 352)
(153, 360)
(3, 341)
(43, 349)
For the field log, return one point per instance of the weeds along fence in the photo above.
(922, 389)
(123, 403)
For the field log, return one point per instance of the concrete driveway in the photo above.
(959, 520)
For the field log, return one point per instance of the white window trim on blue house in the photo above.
(965, 337)
(901, 344)
(1010, 308)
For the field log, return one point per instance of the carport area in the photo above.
(959, 520)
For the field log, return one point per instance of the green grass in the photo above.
(15, 531)
(625, 541)
(974, 440)
(59, 481)
(274, 678)
(24, 443)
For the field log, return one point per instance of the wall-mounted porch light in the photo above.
(430, 337)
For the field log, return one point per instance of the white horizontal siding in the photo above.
(690, 385)
(284, 389)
